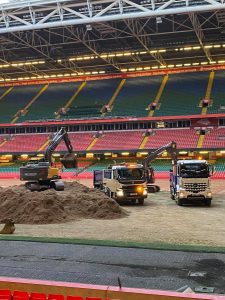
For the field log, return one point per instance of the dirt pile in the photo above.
(75, 202)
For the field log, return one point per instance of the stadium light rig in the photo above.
(138, 52)
(21, 64)
(189, 64)
(113, 54)
(123, 70)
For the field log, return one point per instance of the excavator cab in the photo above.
(69, 161)
(41, 175)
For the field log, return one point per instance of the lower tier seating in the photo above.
(21, 295)
(85, 168)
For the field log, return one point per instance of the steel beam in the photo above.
(200, 35)
(144, 40)
(38, 14)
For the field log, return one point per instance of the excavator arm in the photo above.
(171, 148)
(69, 160)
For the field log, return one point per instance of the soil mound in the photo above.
(75, 202)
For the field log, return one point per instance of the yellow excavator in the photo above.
(41, 175)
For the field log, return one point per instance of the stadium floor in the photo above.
(159, 221)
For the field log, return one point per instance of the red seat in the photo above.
(74, 298)
(55, 297)
(37, 296)
(5, 295)
(20, 295)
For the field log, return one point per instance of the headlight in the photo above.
(120, 193)
(209, 195)
(145, 193)
(181, 195)
(140, 189)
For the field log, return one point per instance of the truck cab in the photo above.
(122, 182)
(190, 180)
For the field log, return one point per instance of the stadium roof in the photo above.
(40, 37)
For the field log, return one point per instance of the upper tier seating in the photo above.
(218, 94)
(185, 138)
(52, 99)
(16, 100)
(215, 139)
(92, 98)
(136, 94)
(119, 140)
(182, 94)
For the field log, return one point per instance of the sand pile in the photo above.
(75, 202)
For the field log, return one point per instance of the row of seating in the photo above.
(21, 295)
(215, 138)
(85, 169)
(185, 138)
(181, 96)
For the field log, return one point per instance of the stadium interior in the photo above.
(122, 87)
(122, 78)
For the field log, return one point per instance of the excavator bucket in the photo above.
(69, 161)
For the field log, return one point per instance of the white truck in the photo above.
(190, 180)
(122, 182)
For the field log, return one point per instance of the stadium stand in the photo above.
(80, 141)
(161, 167)
(21, 295)
(4, 91)
(118, 140)
(23, 143)
(15, 101)
(9, 171)
(135, 96)
(182, 94)
(49, 102)
(215, 138)
(92, 98)
(218, 94)
(219, 168)
(185, 138)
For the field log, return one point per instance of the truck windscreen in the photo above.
(131, 174)
(194, 171)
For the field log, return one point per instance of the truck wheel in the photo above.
(34, 187)
(179, 202)
(207, 202)
(157, 188)
(58, 185)
(151, 189)
(141, 201)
